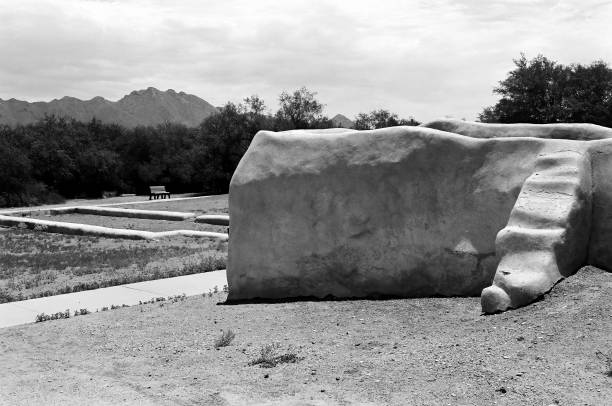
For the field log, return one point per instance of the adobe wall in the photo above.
(405, 211)
(448, 208)
(600, 244)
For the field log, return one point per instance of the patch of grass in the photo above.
(270, 356)
(226, 338)
(203, 263)
(40, 251)
(607, 359)
(66, 314)
(173, 299)
(35, 264)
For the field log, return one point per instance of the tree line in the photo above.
(541, 91)
(58, 157)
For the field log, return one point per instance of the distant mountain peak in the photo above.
(99, 99)
(144, 92)
(340, 120)
(140, 107)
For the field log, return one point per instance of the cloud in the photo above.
(420, 58)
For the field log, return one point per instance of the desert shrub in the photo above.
(270, 356)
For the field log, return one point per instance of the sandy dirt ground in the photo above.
(431, 351)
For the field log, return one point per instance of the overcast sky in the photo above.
(427, 59)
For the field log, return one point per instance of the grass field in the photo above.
(35, 264)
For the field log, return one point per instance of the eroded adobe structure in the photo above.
(449, 208)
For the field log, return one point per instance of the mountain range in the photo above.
(141, 107)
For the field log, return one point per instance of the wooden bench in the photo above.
(156, 192)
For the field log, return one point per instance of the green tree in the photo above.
(223, 140)
(15, 171)
(300, 110)
(255, 105)
(589, 94)
(543, 91)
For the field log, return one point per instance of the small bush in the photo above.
(61, 315)
(113, 307)
(81, 312)
(269, 356)
(225, 339)
(55, 316)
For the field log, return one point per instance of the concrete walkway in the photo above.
(25, 311)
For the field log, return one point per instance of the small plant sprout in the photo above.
(225, 339)
(216, 289)
(225, 289)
